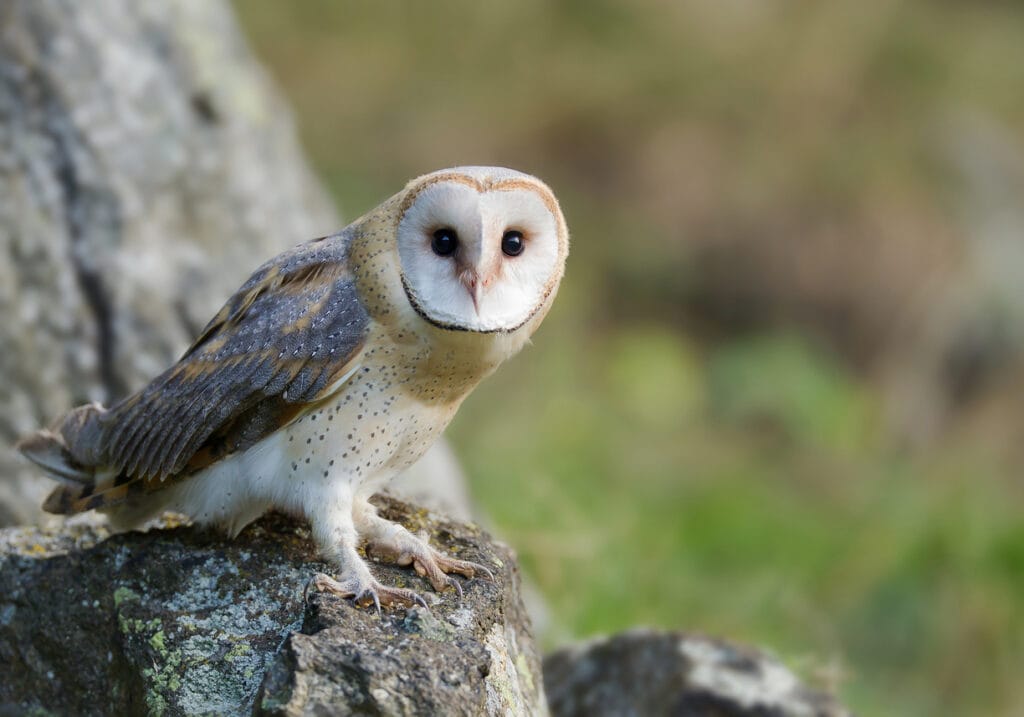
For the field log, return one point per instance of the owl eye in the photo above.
(446, 241)
(512, 243)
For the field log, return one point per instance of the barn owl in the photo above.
(332, 369)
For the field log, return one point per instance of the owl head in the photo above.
(481, 249)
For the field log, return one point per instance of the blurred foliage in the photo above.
(649, 466)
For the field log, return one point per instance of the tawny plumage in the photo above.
(333, 368)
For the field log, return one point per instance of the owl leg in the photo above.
(336, 538)
(393, 543)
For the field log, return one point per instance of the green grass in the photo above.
(896, 579)
(745, 486)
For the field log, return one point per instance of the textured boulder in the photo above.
(181, 621)
(643, 672)
(147, 166)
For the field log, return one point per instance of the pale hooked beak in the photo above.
(474, 286)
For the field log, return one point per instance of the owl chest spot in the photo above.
(368, 431)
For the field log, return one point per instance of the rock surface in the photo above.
(183, 621)
(147, 167)
(644, 672)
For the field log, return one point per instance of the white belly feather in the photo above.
(350, 446)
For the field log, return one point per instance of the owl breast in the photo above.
(385, 417)
(365, 435)
(399, 399)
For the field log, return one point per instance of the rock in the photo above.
(147, 167)
(645, 672)
(182, 621)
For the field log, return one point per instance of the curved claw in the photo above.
(457, 585)
(368, 593)
(465, 568)
(484, 571)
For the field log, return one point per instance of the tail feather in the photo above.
(48, 451)
(69, 451)
(69, 499)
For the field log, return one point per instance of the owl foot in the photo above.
(366, 591)
(404, 548)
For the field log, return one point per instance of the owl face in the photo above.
(481, 248)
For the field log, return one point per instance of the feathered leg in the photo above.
(335, 534)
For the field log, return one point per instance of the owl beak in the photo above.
(474, 286)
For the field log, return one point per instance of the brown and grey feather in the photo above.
(291, 330)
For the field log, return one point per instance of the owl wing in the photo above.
(286, 339)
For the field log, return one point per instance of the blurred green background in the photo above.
(779, 398)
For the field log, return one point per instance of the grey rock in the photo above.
(147, 166)
(645, 673)
(181, 621)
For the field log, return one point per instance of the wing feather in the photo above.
(294, 327)
(171, 426)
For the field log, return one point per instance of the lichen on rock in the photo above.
(183, 621)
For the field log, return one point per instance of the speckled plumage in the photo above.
(331, 370)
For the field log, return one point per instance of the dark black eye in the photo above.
(512, 243)
(446, 241)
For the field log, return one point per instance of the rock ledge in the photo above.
(182, 621)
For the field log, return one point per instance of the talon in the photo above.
(465, 568)
(366, 597)
(325, 583)
(406, 548)
(366, 591)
